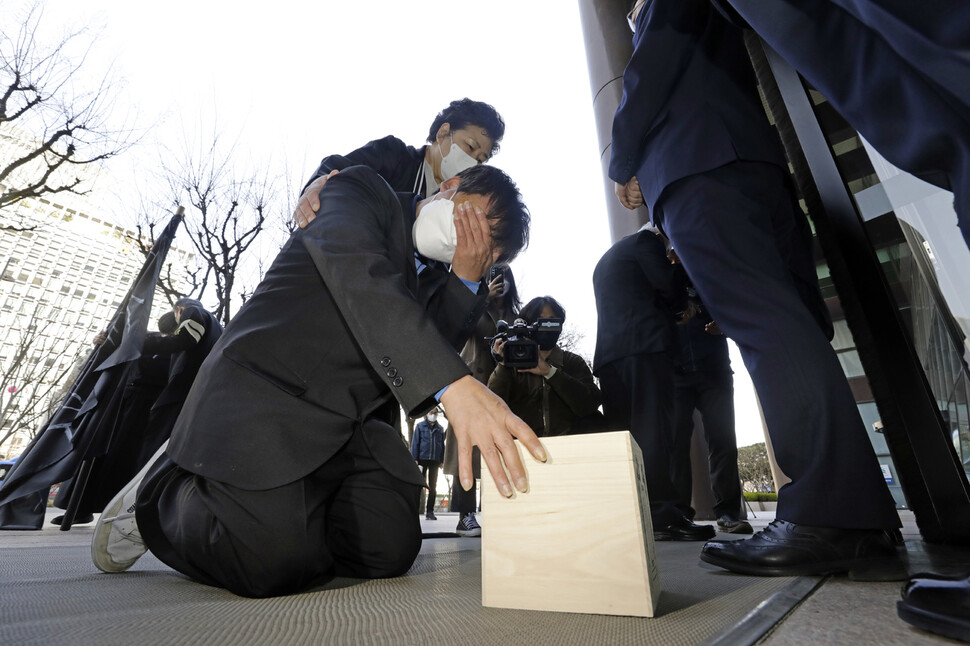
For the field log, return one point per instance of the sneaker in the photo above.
(117, 543)
(468, 526)
(430, 516)
(731, 526)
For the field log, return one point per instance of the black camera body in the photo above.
(523, 341)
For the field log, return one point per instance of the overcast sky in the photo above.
(296, 81)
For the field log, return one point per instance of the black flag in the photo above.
(80, 429)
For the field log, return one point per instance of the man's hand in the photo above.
(306, 208)
(713, 328)
(474, 253)
(480, 418)
(542, 368)
(629, 194)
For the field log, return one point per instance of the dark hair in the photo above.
(530, 313)
(508, 216)
(465, 112)
(510, 300)
(167, 323)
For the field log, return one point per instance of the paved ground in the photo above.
(61, 599)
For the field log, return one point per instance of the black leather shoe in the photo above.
(938, 604)
(787, 549)
(79, 520)
(683, 530)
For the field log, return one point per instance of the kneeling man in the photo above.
(283, 471)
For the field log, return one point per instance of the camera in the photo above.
(523, 341)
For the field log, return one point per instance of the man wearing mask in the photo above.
(283, 471)
(428, 450)
(464, 134)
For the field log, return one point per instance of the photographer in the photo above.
(558, 395)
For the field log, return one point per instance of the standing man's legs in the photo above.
(716, 405)
(681, 473)
(732, 230)
(638, 394)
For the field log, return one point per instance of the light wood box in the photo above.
(581, 538)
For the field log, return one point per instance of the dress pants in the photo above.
(348, 518)
(711, 393)
(638, 394)
(734, 228)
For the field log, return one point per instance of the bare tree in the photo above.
(53, 132)
(228, 208)
(35, 367)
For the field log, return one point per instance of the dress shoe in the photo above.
(682, 530)
(78, 520)
(430, 516)
(734, 526)
(787, 549)
(938, 604)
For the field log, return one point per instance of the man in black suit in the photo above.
(898, 72)
(636, 297)
(283, 471)
(691, 133)
(465, 133)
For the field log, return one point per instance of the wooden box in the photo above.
(581, 539)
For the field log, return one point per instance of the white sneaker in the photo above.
(117, 543)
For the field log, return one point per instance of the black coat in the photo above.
(338, 328)
(637, 293)
(400, 165)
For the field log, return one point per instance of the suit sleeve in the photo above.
(574, 383)
(349, 244)
(382, 155)
(454, 308)
(662, 47)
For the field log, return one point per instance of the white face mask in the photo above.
(455, 161)
(434, 231)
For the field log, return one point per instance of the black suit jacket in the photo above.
(637, 293)
(690, 101)
(338, 326)
(395, 161)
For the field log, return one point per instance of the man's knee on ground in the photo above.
(380, 540)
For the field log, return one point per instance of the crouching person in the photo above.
(282, 471)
